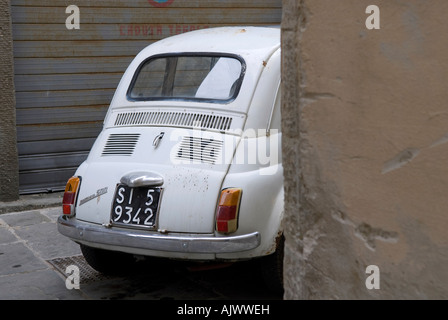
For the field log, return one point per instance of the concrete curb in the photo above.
(32, 202)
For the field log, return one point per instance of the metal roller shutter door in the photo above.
(65, 79)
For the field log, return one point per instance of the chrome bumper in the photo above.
(93, 233)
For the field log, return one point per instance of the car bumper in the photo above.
(96, 234)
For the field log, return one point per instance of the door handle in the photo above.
(157, 139)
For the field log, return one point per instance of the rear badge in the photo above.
(98, 194)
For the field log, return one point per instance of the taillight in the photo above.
(68, 201)
(227, 211)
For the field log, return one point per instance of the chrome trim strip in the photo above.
(88, 232)
(268, 125)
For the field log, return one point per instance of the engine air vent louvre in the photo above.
(120, 145)
(170, 118)
(200, 150)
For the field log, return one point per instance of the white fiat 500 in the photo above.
(188, 164)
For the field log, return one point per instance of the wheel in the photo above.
(107, 262)
(271, 268)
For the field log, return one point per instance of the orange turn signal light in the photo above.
(68, 201)
(227, 210)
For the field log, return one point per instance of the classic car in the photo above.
(188, 163)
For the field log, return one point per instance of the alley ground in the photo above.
(34, 258)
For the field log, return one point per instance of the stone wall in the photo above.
(365, 132)
(9, 172)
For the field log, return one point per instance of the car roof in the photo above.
(237, 40)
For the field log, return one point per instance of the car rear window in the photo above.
(191, 77)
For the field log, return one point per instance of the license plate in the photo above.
(135, 207)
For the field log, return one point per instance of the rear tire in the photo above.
(271, 268)
(107, 262)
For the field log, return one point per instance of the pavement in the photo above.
(32, 202)
(29, 241)
(34, 258)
